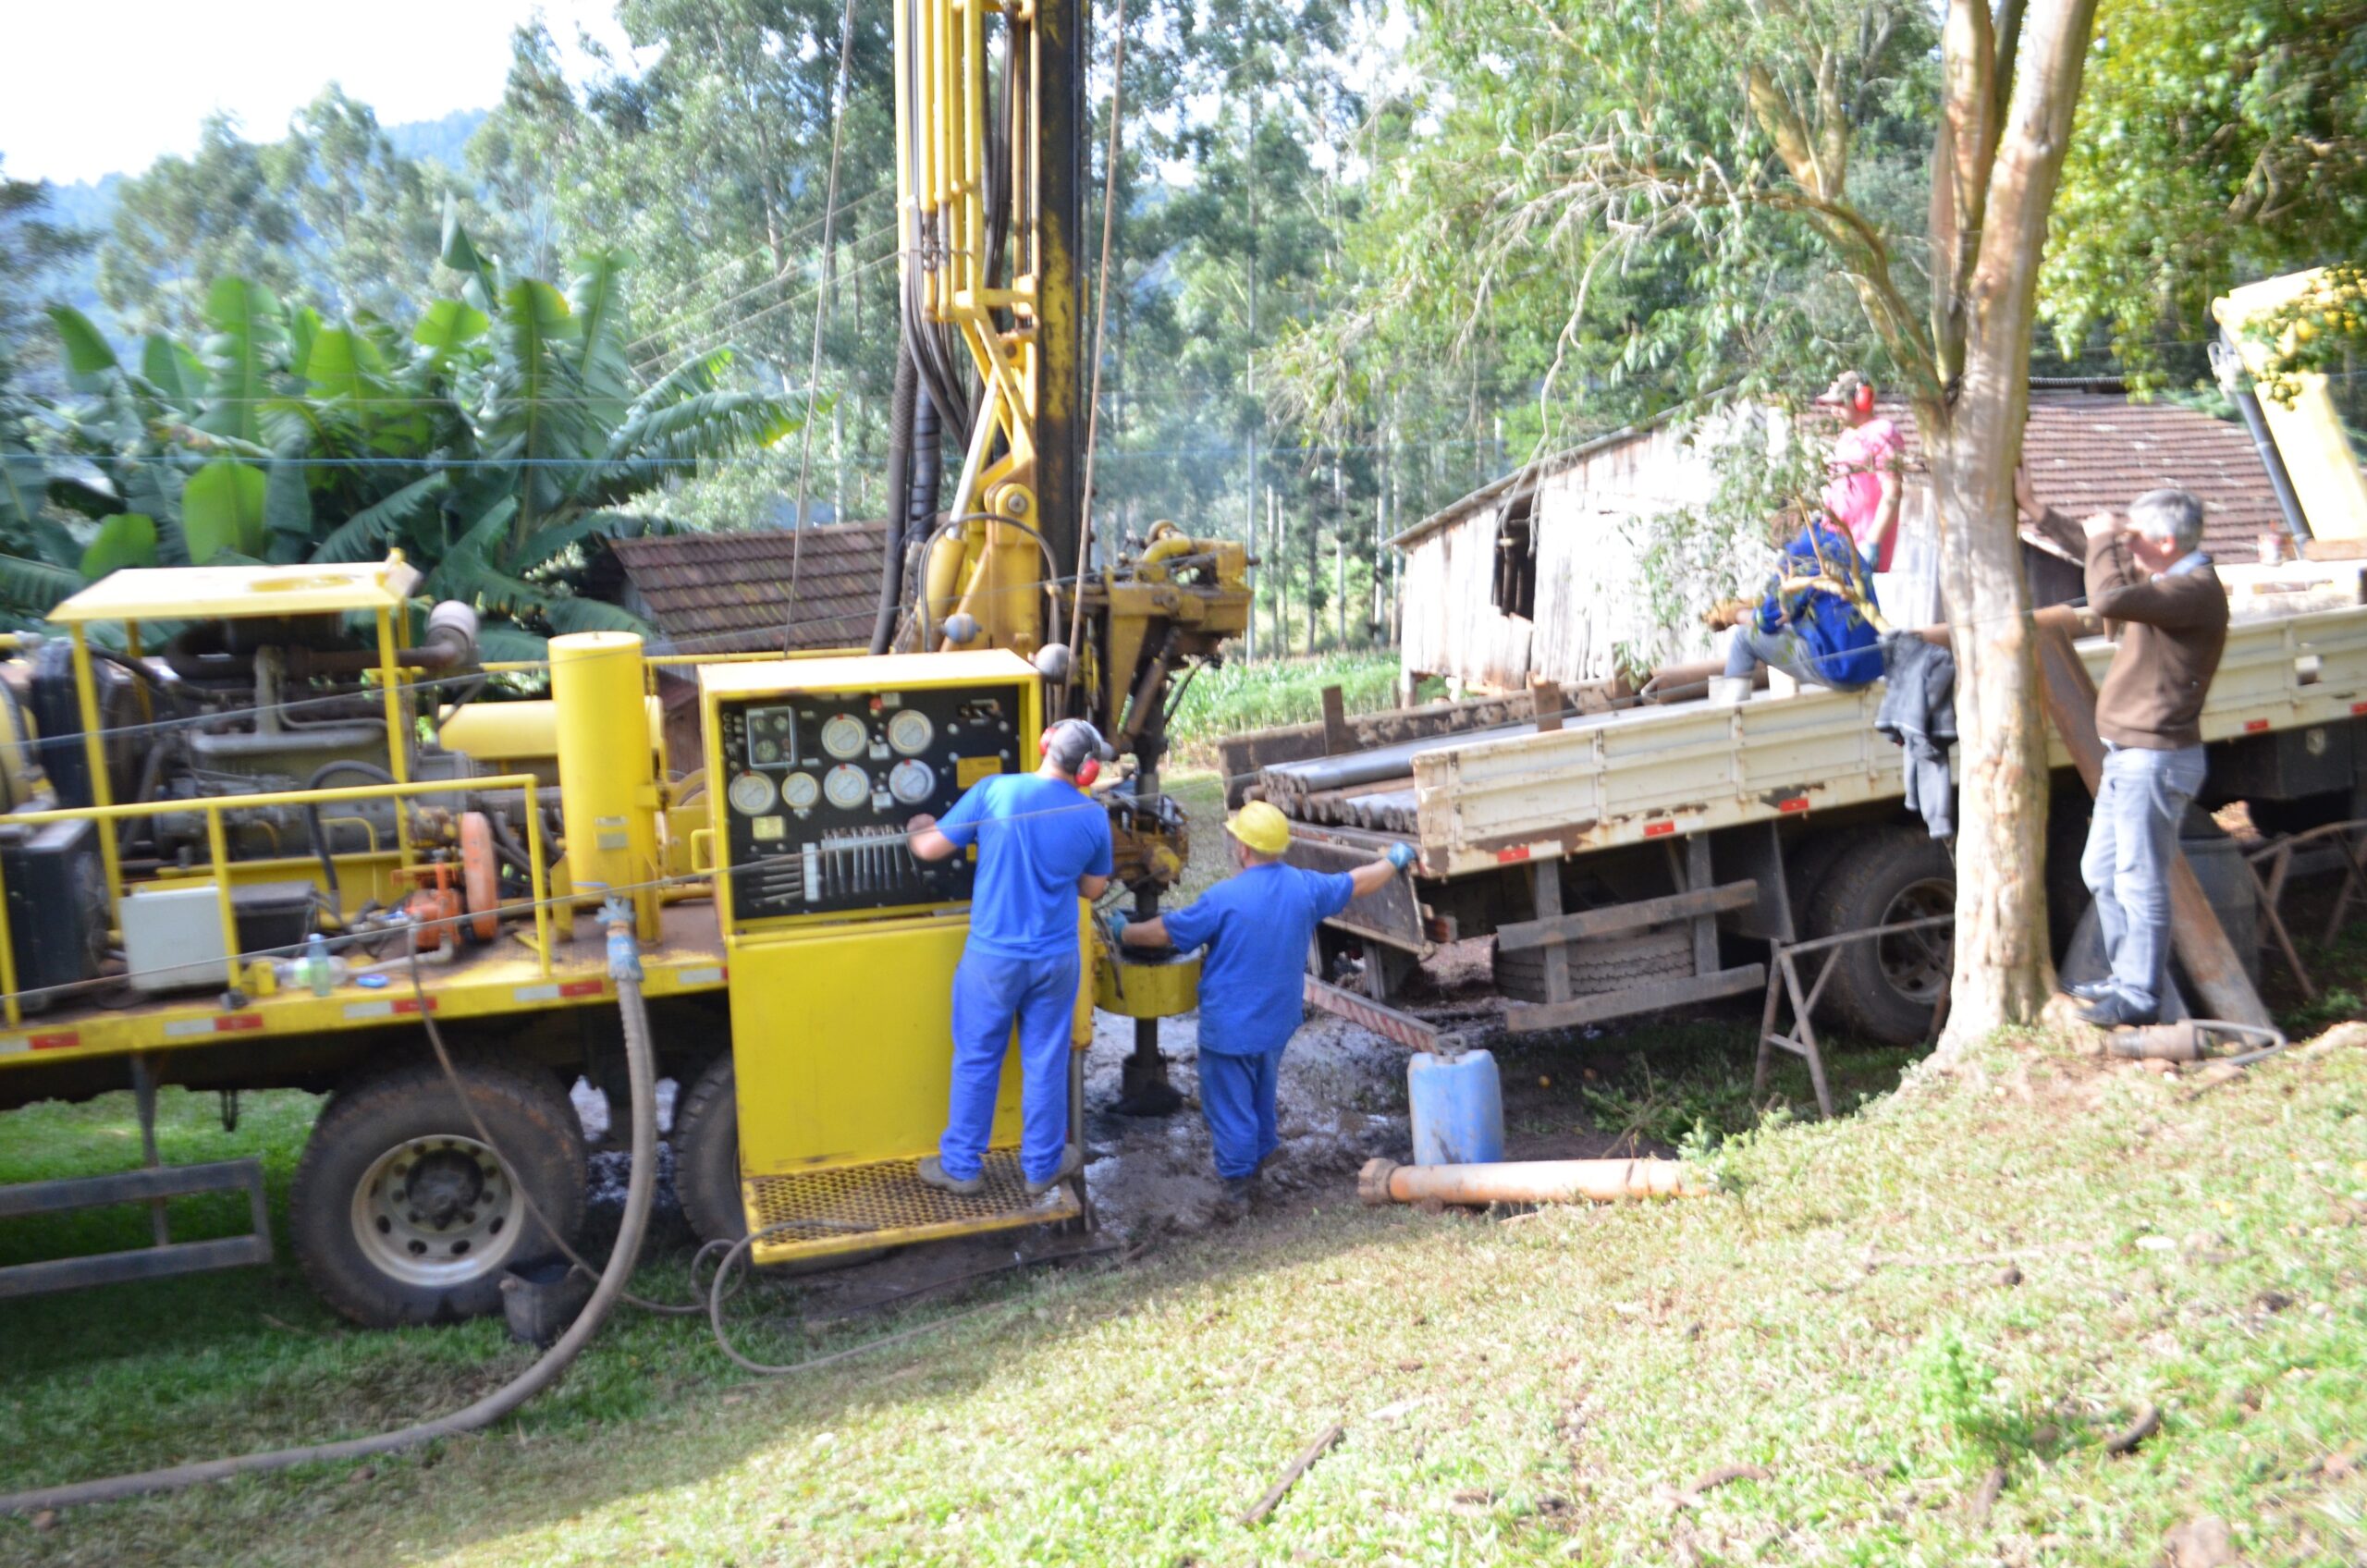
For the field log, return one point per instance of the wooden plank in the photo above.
(1705, 925)
(1545, 699)
(1337, 737)
(2201, 942)
(1626, 917)
(1636, 999)
(1545, 878)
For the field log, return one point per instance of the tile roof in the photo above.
(725, 593)
(2098, 451)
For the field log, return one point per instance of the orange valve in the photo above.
(480, 876)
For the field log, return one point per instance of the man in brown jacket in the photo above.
(2153, 579)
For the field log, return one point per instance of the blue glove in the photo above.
(1401, 856)
(1117, 919)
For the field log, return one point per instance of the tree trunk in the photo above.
(2003, 972)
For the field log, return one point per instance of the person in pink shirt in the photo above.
(1862, 495)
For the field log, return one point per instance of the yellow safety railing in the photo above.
(653, 662)
(219, 850)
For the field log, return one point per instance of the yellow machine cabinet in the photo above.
(841, 945)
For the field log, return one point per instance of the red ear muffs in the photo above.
(1087, 771)
(1864, 397)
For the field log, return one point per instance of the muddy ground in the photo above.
(1343, 1101)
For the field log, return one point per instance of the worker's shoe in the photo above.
(2092, 990)
(1072, 1161)
(2117, 1012)
(931, 1171)
(1233, 1203)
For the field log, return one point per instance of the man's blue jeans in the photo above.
(1780, 649)
(1237, 1100)
(989, 994)
(2139, 803)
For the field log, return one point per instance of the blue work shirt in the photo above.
(1035, 837)
(1256, 928)
(1842, 646)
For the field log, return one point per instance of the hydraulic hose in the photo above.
(902, 413)
(369, 771)
(624, 967)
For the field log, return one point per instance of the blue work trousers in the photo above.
(1237, 1099)
(989, 994)
(2141, 799)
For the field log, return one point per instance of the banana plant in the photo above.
(493, 440)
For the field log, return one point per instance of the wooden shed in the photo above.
(1544, 574)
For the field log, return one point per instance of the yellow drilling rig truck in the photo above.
(260, 819)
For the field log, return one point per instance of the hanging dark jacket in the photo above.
(1919, 712)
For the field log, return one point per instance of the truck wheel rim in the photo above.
(1917, 964)
(437, 1211)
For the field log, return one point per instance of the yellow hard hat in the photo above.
(1261, 827)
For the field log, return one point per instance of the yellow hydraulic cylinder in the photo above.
(607, 770)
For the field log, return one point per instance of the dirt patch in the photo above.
(1341, 1101)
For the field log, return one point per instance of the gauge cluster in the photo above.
(817, 789)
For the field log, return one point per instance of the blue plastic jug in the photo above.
(1458, 1108)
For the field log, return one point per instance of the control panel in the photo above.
(816, 789)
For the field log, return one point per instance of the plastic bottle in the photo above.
(1458, 1108)
(317, 973)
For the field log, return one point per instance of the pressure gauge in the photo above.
(799, 791)
(909, 731)
(845, 736)
(752, 794)
(767, 751)
(846, 786)
(912, 781)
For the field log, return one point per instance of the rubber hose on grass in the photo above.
(545, 1371)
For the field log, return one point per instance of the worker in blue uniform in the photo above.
(1256, 926)
(1043, 843)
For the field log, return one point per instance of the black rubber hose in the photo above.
(369, 771)
(901, 409)
(546, 1369)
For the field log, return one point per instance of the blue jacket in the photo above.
(1843, 644)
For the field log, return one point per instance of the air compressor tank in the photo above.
(607, 770)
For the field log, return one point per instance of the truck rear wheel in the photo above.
(706, 1153)
(402, 1214)
(1886, 989)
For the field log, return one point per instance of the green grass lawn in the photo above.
(1983, 1277)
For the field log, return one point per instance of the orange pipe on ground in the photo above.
(1536, 1181)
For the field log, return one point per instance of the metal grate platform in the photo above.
(856, 1208)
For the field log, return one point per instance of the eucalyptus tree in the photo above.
(1727, 137)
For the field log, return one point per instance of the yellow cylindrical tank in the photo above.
(607, 770)
(524, 733)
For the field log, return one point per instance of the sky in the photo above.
(104, 86)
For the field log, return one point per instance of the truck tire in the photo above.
(1885, 990)
(706, 1168)
(400, 1213)
(706, 1153)
(1607, 963)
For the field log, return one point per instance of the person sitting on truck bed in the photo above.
(1817, 623)
(1256, 926)
(2152, 578)
(1043, 843)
